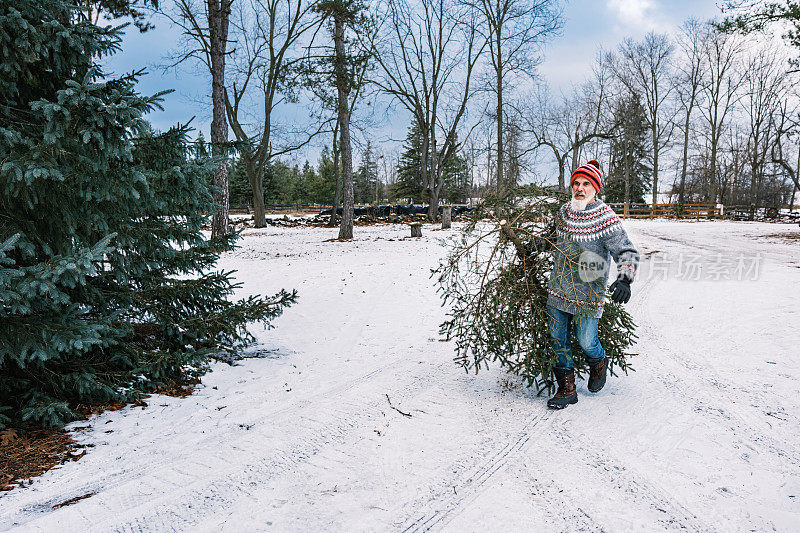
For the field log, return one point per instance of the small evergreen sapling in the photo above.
(495, 289)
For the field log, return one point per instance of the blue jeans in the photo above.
(585, 330)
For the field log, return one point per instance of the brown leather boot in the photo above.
(566, 393)
(597, 375)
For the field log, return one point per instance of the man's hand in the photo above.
(620, 290)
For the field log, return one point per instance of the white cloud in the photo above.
(639, 14)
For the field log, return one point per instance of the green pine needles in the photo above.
(495, 289)
(108, 286)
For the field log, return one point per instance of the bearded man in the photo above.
(588, 234)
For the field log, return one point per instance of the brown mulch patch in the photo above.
(26, 455)
(180, 388)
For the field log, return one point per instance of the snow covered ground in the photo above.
(704, 436)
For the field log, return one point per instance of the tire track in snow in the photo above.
(243, 480)
(188, 505)
(721, 403)
(44, 500)
(446, 504)
(635, 487)
(432, 510)
(345, 341)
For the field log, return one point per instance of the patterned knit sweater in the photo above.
(585, 242)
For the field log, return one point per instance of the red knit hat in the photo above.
(590, 171)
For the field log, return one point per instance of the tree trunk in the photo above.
(259, 213)
(627, 173)
(433, 185)
(255, 176)
(433, 204)
(342, 84)
(336, 196)
(685, 163)
(424, 167)
(575, 152)
(712, 193)
(754, 170)
(655, 166)
(218, 15)
(795, 180)
(447, 214)
(500, 159)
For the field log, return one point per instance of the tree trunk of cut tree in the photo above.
(446, 217)
(433, 204)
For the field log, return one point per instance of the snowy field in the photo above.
(308, 435)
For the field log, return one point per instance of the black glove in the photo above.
(620, 290)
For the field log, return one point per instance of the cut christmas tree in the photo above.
(494, 281)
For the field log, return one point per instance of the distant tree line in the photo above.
(707, 113)
(703, 115)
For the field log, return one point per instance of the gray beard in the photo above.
(579, 205)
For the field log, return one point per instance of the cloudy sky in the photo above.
(589, 24)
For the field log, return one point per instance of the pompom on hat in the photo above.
(590, 171)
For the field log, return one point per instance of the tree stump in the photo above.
(446, 218)
(416, 229)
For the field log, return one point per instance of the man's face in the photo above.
(582, 189)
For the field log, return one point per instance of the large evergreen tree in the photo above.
(409, 182)
(107, 285)
(457, 183)
(240, 191)
(322, 189)
(365, 180)
(630, 153)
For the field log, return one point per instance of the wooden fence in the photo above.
(695, 211)
(647, 211)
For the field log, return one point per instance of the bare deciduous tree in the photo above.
(567, 127)
(688, 78)
(268, 32)
(206, 24)
(265, 32)
(786, 127)
(515, 32)
(219, 12)
(349, 26)
(644, 69)
(426, 61)
(765, 89)
(720, 91)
